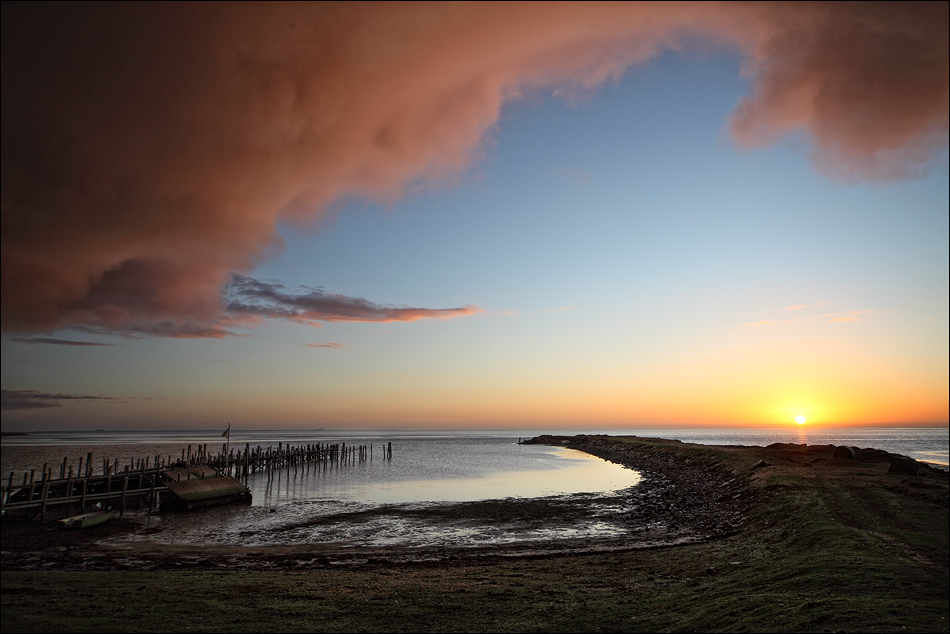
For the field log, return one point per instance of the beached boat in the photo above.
(86, 519)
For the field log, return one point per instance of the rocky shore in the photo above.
(697, 497)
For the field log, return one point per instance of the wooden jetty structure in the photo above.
(197, 479)
(206, 488)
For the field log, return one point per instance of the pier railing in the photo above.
(142, 482)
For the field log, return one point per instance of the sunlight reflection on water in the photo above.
(567, 471)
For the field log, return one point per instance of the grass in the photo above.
(828, 547)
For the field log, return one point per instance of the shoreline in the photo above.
(802, 542)
(672, 505)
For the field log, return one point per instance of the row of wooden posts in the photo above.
(142, 478)
(243, 464)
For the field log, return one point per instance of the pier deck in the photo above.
(143, 482)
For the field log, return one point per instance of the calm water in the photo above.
(348, 504)
(317, 505)
(425, 467)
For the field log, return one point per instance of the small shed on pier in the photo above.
(200, 487)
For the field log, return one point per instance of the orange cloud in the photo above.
(801, 306)
(149, 150)
(850, 316)
(331, 344)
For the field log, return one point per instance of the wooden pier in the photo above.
(143, 482)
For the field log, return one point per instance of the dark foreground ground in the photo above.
(803, 543)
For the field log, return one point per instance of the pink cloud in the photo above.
(149, 150)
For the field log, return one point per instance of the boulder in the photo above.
(843, 453)
(786, 446)
(872, 455)
(903, 465)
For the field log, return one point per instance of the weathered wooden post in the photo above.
(32, 473)
(82, 501)
(125, 487)
(45, 497)
(69, 488)
(151, 492)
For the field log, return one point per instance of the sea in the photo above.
(384, 501)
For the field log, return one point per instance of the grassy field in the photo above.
(828, 546)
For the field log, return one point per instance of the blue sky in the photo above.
(633, 268)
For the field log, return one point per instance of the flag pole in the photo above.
(227, 449)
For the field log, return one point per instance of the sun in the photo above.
(800, 420)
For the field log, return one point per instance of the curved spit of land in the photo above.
(687, 498)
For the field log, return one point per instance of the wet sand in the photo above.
(673, 504)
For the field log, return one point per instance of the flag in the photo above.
(227, 433)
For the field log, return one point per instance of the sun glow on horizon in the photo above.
(800, 420)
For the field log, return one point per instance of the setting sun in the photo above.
(800, 420)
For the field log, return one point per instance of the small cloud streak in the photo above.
(252, 299)
(330, 344)
(32, 399)
(850, 316)
(801, 306)
(57, 342)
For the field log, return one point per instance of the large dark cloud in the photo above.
(149, 149)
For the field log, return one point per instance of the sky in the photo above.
(474, 215)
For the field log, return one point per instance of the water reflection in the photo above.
(568, 472)
(588, 475)
(377, 503)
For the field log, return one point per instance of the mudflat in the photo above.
(784, 538)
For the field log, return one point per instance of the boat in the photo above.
(86, 519)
